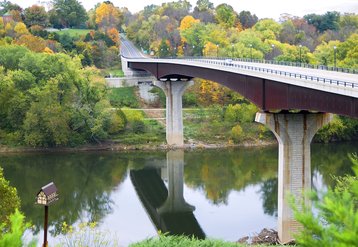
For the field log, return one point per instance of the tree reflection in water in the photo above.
(85, 182)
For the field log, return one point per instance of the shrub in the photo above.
(138, 126)
(118, 122)
(133, 115)
(236, 133)
(232, 113)
(336, 222)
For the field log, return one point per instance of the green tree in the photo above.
(247, 19)
(226, 15)
(269, 28)
(68, 13)
(9, 202)
(204, 5)
(327, 21)
(324, 53)
(164, 49)
(194, 37)
(50, 100)
(347, 53)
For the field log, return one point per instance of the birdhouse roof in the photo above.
(49, 189)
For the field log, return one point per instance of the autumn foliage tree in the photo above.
(32, 42)
(108, 16)
(20, 29)
(36, 15)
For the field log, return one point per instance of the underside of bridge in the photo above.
(268, 95)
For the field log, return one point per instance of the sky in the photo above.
(262, 8)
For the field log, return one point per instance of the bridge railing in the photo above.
(296, 64)
(278, 72)
(284, 63)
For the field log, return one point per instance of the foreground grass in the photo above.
(176, 241)
(183, 241)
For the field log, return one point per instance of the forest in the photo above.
(53, 60)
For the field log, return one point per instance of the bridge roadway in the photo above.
(295, 103)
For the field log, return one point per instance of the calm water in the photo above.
(234, 191)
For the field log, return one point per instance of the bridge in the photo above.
(295, 103)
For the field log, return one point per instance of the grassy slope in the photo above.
(74, 32)
(123, 97)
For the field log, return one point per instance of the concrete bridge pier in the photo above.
(175, 201)
(294, 132)
(174, 116)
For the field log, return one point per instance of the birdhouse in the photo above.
(47, 195)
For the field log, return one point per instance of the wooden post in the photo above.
(45, 244)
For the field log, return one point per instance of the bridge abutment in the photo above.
(294, 132)
(174, 91)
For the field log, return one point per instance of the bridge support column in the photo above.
(174, 116)
(294, 132)
(175, 201)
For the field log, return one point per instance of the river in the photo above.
(223, 194)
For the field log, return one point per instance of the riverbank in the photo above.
(113, 146)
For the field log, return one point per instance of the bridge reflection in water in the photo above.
(167, 208)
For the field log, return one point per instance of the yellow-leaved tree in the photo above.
(108, 16)
(186, 23)
(20, 29)
(211, 49)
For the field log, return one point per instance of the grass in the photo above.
(74, 32)
(123, 97)
(115, 72)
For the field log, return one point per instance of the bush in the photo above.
(232, 113)
(190, 99)
(138, 126)
(236, 133)
(336, 222)
(118, 122)
(133, 115)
